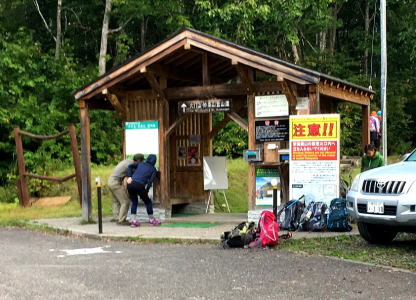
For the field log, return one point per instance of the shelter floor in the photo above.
(223, 222)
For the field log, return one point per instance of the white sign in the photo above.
(302, 103)
(142, 137)
(215, 173)
(271, 106)
(314, 142)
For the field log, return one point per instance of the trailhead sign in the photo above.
(314, 157)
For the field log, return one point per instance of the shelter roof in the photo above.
(179, 58)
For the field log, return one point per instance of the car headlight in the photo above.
(354, 184)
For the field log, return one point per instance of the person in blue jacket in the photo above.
(138, 184)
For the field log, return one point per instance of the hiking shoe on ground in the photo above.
(113, 220)
(134, 223)
(154, 222)
(124, 223)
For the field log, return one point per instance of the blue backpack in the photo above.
(338, 215)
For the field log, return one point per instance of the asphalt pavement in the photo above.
(38, 265)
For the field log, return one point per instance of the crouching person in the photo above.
(138, 184)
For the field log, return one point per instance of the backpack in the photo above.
(314, 217)
(288, 217)
(267, 231)
(338, 215)
(241, 235)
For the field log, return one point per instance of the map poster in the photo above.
(314, 144)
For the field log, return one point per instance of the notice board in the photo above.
(314, 157)
(215, 173)
(272, 130)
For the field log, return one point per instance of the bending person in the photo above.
(121, 201)
(138, 184)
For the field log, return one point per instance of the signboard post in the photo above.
(314, 157)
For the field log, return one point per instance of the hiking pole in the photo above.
(100, 215)
(274, 185)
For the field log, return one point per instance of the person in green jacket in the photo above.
(371, 159)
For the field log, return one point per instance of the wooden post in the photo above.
(163, 145)
(23, 190)
(251, 145)
(85, 157)
(76, 160)
(365, 139)
(314, 103)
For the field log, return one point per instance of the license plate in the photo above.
(375, 207)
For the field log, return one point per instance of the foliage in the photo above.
(35, 89)
(231, 140)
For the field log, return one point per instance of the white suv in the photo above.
(383, 201)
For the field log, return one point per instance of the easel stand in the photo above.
(211, 197)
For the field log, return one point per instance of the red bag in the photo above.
(269, 231)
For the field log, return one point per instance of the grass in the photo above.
(400, 254)
(237, 188)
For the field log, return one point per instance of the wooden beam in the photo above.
(290, 96)
(151, 78)
(205, 69)
(131, 68)
(117, 105)
(245, 80)
(252, 60)
(61, 179)
(175, 73)
(220, 90)
(218, 127)
(175, 124)
(239, 120)
(22, 187)
(313, 95)
(347, 95)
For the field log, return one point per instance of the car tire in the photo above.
(376, 234)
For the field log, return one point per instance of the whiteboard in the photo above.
(215, 173)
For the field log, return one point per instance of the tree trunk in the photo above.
(366, 32)
(104, 38)
(58, 30)
(295, 53)
(333, 30)
(322, 41)
(143, 35)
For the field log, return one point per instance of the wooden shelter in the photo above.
(191, 65)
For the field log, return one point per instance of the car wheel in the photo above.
(376, 234)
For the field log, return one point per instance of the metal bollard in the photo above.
(100, 214)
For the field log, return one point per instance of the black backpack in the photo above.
(243, 234)
(314, 217)
(288, 217)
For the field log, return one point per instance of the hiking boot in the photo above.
(134, 223)
(113, 220)
(154, 222)
(123, 223)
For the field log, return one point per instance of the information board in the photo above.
(271, 106)
(314, 157)
(215, 173)
(272, 130)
